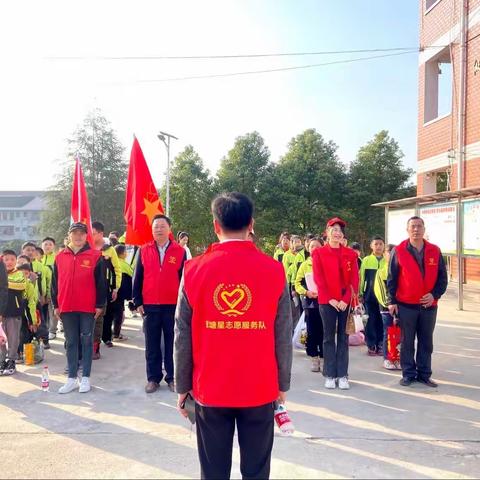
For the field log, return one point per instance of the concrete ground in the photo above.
(376, 430)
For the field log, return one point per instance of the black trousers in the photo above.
(157, 322)
(374, 328)
(113, 315)
(215, 431)
(314, 332)
(419, 322)
(335, 355)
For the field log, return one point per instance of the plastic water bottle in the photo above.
(282, 418)
(45, 379)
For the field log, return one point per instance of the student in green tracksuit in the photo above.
(370, 265)
(289, 259)
(30, 250)
(310, 307)
(380, 289)
(282, 247)
(47, 260)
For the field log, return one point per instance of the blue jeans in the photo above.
(387, 322)
(78, 327)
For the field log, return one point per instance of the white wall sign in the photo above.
(440, 225)
(471, 227)
(397, 224)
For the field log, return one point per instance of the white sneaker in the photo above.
(389, 365)
(84, 385)
(330, 383)
(52, 336)
(70, 386)
(343, 383)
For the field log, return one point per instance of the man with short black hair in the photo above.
(78, 297)
(156, 281)
(233, 349)
(417, 278)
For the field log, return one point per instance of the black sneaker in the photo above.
(406, 382)
(3, 366)
(10, 368)
(46, 344)
(428, 382)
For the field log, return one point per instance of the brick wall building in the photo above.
(439, 102)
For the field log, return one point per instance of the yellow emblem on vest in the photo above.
(172, 260)
(232, 300)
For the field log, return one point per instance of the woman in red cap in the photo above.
(335, 271)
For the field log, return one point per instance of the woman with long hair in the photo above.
(335, 271)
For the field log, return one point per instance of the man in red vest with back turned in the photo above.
(155, 290)
(233, 350)
(417, 278)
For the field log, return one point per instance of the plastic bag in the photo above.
(300, 333)
(356, 339)
(39, 352)
(394, 338)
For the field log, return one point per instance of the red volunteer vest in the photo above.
(161, 282)
(335, 273)
(77, 290)
(234, 290)
(411, 285)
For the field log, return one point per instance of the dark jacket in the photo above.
(3, 289)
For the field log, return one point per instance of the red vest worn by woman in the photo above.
(77, 290)
(411, 284)
(335, 273)
(234, 290)
(161, 282)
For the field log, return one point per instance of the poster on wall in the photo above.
(440, 225)
(397, 224)
(471, 227)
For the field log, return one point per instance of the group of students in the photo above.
(28, 290)
(327, 279)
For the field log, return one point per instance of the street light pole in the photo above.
(165, 138)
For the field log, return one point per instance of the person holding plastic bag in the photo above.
(335, 272)
(307, 290)
(380, 289)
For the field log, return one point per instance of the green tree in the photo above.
(245, 166)
(105, 173)
(191, 193)
(307, 186)
(376, 175)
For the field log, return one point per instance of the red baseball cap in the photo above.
(336, 220)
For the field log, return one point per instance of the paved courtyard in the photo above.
(376, 430)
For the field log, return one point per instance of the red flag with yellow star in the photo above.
(141, 201)
(79, 206)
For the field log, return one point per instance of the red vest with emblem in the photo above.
(161, 282)
(76, 285)
(234, 290)
(411, 284)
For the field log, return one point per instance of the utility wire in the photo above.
(281, 69)
(253, 55)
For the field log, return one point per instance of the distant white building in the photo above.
(20, 215)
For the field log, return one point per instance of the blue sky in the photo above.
(44, 100)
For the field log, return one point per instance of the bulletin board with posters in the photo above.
(471, 227)
(397, 224)
(440, 225)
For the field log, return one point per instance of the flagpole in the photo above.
(161, 136)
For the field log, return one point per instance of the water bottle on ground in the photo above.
(45, 379)
(282, 418)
